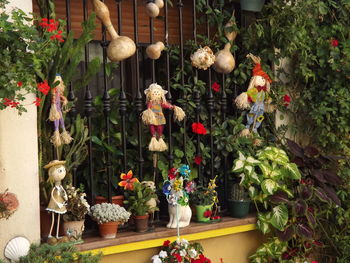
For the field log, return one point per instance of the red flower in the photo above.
(314, 261)
(334, 43)
(44, 87)
(207, 213)
(198, 128)
(127, 181)
(198, 160)
(19, 83)
(44, 23)
(14, 104)
(166, 243)
(57, 36)
(178, 257)
(318, 243)
(37, 102)
(215, 217)
(250, 100)
(286, 100)
(221, 260)
(302, 181)
(172, 173)
(201, 259)
(215, 87)
(7, 102)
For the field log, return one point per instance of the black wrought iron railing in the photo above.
(124, 139)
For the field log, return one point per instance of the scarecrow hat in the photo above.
(258, 71)
(154, 86)
(54, 163)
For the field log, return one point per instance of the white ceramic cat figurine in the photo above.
(184, 213)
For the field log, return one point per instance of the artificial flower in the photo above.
(178, 257)
(334, 42)
(156, 259)
(183, 200)
(190, 187)
(163, 254)
(215, 217)
(177, 185)
(318, 243)
(198, 160)
(314, 261)
(166, 188)
(198, 128)
(127, 181)
(286, 100)
(43, 87)
(19, 83)
(9, 201)
(193, 253)
(212, 183)
(207, 213)
(183, 253)
(215, 87)
(166, 243)
(37, 102)
(185, 170)
(172, 173)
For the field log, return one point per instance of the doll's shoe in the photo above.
(65, 137)
(56, 139)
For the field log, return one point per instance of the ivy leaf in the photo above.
(279, 217)
(269, 186)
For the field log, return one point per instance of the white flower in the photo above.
(183, 253)
(163, 254)
(156, 259)
(184, 242)
(193, 253)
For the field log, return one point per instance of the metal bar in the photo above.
(210, 108)
(153, 62)
(182, 67)
(106, 100)
(138, 99)
(88, 111)
(168, 95)
(122, 96)
(223, 112)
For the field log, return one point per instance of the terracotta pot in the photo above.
(74, 229)
(141, 223)
(117, 199)
(108, 230)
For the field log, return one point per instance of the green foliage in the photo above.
(61, 253)
(203, 196)
(313, 36)
(137, 199)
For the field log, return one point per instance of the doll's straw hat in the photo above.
(54, 163)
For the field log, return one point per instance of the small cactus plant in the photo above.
(238, 193)
(106, 212)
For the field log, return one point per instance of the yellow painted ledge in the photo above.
(159, 242)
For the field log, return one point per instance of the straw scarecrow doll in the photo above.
(154, 117)
(58, 197)
(58, 105)
(256, 98)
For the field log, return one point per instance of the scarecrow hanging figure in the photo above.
(154, 117)
(256, 97)
(56, 115)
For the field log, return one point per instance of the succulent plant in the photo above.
(106, 212)
(238, 193)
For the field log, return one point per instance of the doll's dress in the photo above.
(58, 193)
(158, 112)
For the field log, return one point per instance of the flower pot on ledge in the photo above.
(141, 223)
(74, 229)
(117, 199)
(201, 211)
(108, 230)
(238, 208)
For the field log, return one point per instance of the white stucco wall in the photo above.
(19, 165)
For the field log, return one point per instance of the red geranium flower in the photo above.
(286, 100)
(44, 87)
(215, 87)
(198, 128)
(166, 243)
(198, 160)
(334, 43)
(201, 259)
(127, 181)
(14, 104)
(19, 83)
(178, 257)
(207, 213)
(57, 36)
(37, 102)
(7, 102)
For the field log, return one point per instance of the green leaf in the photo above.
(279, 217)
(238, 166)
(292, 171)
(269, 186)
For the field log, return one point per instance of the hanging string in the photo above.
(177, 222)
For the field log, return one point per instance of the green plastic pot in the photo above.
(201, 209)
(252, 5)
(238, 209)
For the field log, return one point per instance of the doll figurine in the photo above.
(256, 98)
(58, 103)
(154, 117)
(58, 197)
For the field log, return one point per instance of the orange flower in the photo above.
(127, 181)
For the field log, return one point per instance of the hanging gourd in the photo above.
(154, 51)
(224, 60)
(121, 47)
(153, 7)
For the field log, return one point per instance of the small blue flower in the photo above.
(184, 170)
(166, 188)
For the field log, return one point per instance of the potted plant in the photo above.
(137, 203)
(109, 216)
(77, 208)
(239, 202)
(252, 5)
(204, 198)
